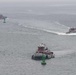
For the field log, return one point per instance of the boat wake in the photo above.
(53, 32)
(66, 34)
(54, 28)
(63, 53)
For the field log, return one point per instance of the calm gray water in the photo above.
(27, 26)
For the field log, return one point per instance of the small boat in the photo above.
(3, 18)
(71, 30)
(42, 49)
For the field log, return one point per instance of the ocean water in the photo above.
(26, 27)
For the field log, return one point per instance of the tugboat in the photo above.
(71, 30)
(43, 50)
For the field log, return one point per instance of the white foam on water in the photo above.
(66, 34)
(63, 53)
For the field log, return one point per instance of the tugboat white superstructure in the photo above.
(42, 50)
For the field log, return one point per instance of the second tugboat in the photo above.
(42, 50)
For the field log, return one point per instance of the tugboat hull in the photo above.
(37, 57)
